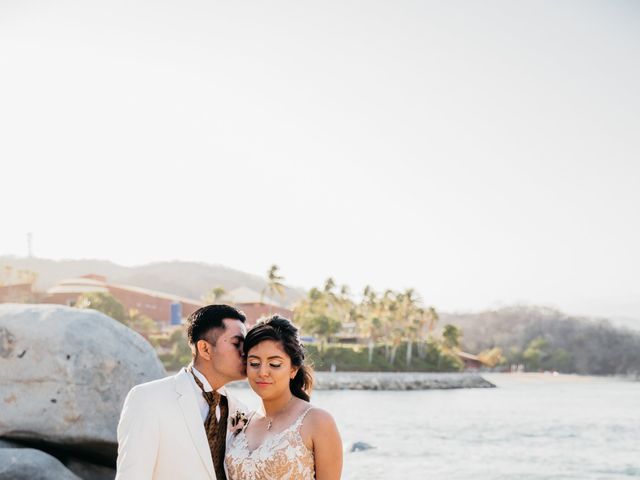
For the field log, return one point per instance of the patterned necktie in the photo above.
(216, 429)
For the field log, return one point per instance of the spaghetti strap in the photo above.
(301, 417)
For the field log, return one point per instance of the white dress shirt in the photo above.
(202, 403)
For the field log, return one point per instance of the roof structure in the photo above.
(246, 295)
(89, 285)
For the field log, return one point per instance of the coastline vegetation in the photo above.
(391, 331)
(542, 338)
(394, 331)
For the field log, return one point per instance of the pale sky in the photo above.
(484, 153)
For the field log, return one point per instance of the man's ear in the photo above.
(204, 349)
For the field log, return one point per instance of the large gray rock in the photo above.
(90, 471)
(31, 464)
(9, 444)
(64, 374)
(83, 469)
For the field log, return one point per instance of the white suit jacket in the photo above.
(161, 433)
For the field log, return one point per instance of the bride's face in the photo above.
(269, 370)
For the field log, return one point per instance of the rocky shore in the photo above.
(64, 375)
(394, 381)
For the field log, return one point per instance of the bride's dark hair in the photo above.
(281, 330)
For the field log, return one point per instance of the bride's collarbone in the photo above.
(257, 431)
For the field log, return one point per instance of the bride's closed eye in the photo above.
(256, 365)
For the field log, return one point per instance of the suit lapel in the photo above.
(189, 406)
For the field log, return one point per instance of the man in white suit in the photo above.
(176, 428)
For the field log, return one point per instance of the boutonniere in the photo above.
(237, 422)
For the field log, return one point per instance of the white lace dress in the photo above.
(282, 456)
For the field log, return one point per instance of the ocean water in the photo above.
(533, 426)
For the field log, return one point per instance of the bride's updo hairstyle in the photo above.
(281, 330)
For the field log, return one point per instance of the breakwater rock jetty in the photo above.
(398, 381)
(392, 381)
(64, 375)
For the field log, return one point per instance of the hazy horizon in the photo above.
(482, 153)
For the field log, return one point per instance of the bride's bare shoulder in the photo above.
(319, 419)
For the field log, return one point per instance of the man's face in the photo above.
(227, 360)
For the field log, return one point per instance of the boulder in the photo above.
(81, 468)
(360, 446)
(90, 471)
(9, 444)
(31, 464)
(64, 375)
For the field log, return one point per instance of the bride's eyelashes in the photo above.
(257, 365)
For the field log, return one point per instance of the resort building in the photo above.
(255, 305)
(164, 308)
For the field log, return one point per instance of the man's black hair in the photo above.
(204, 319)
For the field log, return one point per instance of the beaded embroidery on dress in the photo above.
(283, 456)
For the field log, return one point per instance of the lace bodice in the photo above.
(282, 456)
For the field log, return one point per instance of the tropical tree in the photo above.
(394, 323)
(411, 315)
(428, 320)
(103, 302)
(175, 350)
(323, 326)
(369, 319)
(451, 337)
(214, 295)
(329, 285)
(274, 283)
(320, 313)
(141, 323)
(536, 353)
(492, 357)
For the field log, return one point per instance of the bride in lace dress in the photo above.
(289, 438)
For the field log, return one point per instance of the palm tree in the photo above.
(368, 318)
(432, 319)
(451, 337)
(318, 314)
(274, 283)
(427, 321)
(392, 323)
(329, 285)
(214, 295)
(370, 314)
(411, 312)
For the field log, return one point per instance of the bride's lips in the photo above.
(262, 384)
